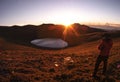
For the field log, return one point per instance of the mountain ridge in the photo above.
(74, 34)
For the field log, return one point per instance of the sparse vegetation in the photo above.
(21, 62)
(37, 65)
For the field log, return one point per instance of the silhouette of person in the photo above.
(104, 47)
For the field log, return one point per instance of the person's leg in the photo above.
(105, 65)
(98, 61)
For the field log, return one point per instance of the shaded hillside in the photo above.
(74, 35)
(18, 32)
(30, 31)
(50, 31)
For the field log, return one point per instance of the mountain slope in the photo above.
(74, 35)
(21, 63)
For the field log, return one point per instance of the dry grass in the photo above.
(19, 63)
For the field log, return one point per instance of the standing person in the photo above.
(104, 47)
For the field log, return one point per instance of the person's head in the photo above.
(106, 37)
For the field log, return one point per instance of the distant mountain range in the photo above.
(107, 27)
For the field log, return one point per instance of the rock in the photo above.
(19, 78)
(52, 70)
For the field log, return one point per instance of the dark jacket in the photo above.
(105, 47)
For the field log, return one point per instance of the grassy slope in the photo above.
(26, 64)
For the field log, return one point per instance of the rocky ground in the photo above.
(20, 63)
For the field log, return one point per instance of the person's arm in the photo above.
(101, 46)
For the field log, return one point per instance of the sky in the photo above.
(36, 12)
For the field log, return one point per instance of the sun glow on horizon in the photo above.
(67, 24)
(59, 12)
(63, 17)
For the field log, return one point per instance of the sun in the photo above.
(67, 24)
(67, 21)
(64, 17)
